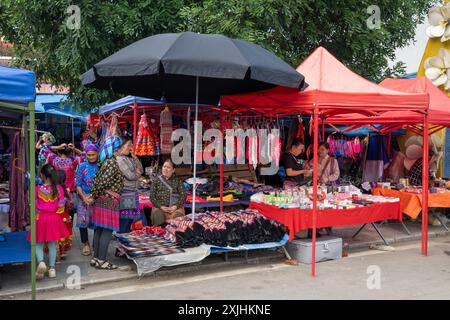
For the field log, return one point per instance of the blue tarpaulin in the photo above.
(127, 101)
(410, 75)
(56, 104)
(17, 85)
(14, 248)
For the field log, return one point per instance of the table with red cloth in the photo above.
(299, 219)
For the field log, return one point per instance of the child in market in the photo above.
(50, 228)
(64, 244)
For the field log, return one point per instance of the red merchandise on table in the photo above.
(298, 219)
(189, 198)
(158, 231)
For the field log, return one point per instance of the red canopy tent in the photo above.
(438, 112)
(334, 89)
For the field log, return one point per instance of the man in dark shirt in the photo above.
(294, 164)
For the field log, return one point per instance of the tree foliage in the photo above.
(291, 29)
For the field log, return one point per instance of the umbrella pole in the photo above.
(195, 149)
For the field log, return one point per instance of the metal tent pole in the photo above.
(135, 116)
(32, 195)
(315, 182)
(425, 173)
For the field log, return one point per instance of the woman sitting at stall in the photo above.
(167, 195)
(294, 165)
(328, 171)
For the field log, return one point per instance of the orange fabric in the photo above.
(331, 85)
(411, 203)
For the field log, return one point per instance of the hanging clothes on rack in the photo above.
(155, 129)
(145, 141)
(19, 211)
(376, 159)
(166, 131)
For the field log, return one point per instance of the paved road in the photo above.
(403, 274)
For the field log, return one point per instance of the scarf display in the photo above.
(145, 141)
(344, 147)
(166, 131)
(223, 229)
(19, 211)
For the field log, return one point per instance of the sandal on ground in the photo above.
(106, 265)
(94, 262)
(41, 270)
(86, 250)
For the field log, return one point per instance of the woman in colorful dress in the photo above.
(66, 161)
(84, 179)
(105, 195)
(43, 145)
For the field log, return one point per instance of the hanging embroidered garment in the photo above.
(19, 211)
(166, 131)
(276, 149)
(145, 141)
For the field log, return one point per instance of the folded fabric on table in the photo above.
(146, 245)
(228, 198)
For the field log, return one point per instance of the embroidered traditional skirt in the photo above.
(106, 214)
(132, 214)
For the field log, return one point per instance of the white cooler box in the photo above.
(327, 248)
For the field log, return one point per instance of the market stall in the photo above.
(171, 68)
(17, 96)
(333, 89)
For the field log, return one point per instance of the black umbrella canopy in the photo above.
(167, 65)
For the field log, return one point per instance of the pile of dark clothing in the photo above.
(224, 229)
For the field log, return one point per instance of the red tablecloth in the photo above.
(297, 219)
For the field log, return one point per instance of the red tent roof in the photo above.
(438, 112)
(332, 86)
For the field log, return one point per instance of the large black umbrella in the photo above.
(167, 66)
(175, 66)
